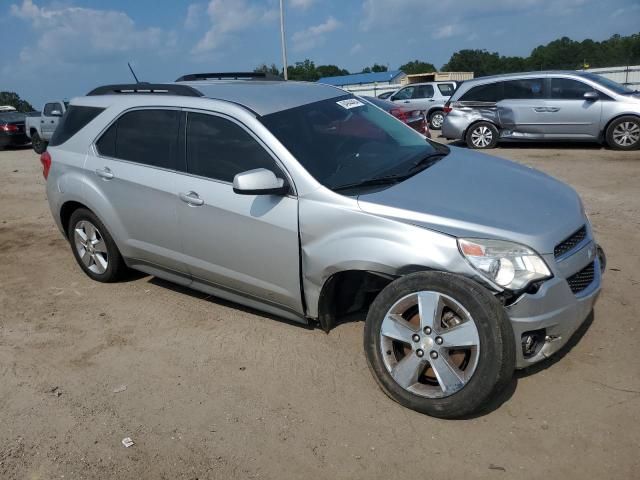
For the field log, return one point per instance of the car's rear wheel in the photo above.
(39, 145)
(436, 119)
(94, 248)
(439, 344)
(624, 133)
(482, 135)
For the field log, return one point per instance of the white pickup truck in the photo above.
(40, 129)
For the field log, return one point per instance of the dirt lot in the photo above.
(218, 391)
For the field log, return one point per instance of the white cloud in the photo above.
(313, 36)
(195, 13)
(228, 17)
(357, 48)
(446, 31)
(81, 35)
(301, 4)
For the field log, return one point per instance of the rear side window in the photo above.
(423, 91)
(492, 92)
(149, 137)
(74, 120)
(567, 89)
(446, 89)
(219, 149)
(527, 88)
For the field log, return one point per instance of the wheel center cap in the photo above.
(426, 343)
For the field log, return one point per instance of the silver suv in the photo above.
(560, 105)
(305, 202)
(428, 96)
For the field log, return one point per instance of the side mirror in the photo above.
(56, 113)
(591, 96)
(259, 181)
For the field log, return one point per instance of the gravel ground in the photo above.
(214, 390)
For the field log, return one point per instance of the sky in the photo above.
(64, 48)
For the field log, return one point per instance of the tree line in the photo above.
(563, 53)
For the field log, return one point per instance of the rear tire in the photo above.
(94, 248)
(39, 145)
(436, 119)
(481, 135)
(624, 133)
(479, 327)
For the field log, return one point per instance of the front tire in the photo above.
(436, 119)
(94, 248)
(439, 344)
(38, 144)
(624, 133)
(482, 135)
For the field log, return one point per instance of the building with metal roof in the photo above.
(393, 76)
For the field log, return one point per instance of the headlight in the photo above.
(507, 264)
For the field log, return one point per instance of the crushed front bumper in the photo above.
(555, 311)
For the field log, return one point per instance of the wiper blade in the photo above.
(427, 161)
(389, 179)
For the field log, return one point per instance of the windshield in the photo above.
(344, 141)
(607, 83)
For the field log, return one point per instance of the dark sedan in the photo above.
(12, 131)
(416, 119)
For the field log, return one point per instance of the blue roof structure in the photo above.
(358, 78)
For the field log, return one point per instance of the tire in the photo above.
(39, 145)
(102, 260)
(487, 368)
(481, 135)
(436, 119)
(624, 133)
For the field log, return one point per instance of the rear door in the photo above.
(135, 171)
(522, 108)
(50, 118)
(244, 243)
(568, 114)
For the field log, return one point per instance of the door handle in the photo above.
(191, 198)
(406, 101)
(104, 173)
(552, 109)
(546, 109)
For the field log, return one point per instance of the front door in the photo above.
(243, 243)
(50, 119)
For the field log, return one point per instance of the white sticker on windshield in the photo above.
(350, 103)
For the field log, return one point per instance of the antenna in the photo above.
(133, 73)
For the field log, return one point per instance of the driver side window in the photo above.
(404, 94)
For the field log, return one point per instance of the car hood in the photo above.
(469, 194)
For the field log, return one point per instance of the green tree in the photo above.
(417, 66)
(480, 62)
(264, 68)
(305, 71)
(375, 68)
(330, 71)
(14, 100)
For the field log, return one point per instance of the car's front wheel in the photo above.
(439, 344)
(624, 133)
(482, 135)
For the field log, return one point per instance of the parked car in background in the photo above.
(385, 95)
(40, 129)
(12, 129)
(416, 119)
(429, 96)
(7, 108)
(304, 201)
(535, 106)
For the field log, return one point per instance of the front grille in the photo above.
(581, 280)
(571, 242)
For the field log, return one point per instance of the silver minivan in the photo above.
(557, 105)
(429, 97)
(306, 202)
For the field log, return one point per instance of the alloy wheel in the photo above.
(91, 247)
(437, 119)
(430, 344)
(482, 136)
(626, 134)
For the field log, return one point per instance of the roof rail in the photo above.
(146, 88)
(229, 76)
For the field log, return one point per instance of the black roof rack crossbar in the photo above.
(146, 88)
(229, 76)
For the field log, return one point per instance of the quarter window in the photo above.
(524, 89)
(149, 137)
(567, 89)
(492, 92)
(446, 89)
(220, 149)
(74, 119)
